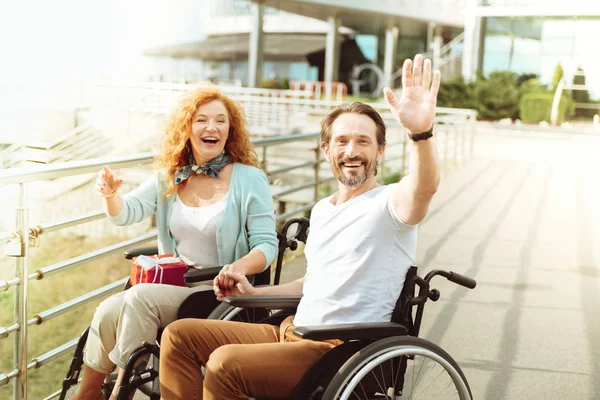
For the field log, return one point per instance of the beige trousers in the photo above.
(125, 320)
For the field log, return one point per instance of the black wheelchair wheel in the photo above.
(226, 312)
(399, 368)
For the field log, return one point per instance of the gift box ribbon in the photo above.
(147, 263)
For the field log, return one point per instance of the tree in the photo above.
(558, 74)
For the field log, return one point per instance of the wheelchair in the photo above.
(376, 360)
(141, 369)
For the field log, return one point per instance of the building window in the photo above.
(537, 45)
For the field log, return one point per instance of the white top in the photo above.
(195, 232)
(357, 257)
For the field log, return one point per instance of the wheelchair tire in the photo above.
(225, 312)
(386, 369)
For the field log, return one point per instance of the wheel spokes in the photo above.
(427, 382)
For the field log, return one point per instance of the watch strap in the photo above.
(422, 136)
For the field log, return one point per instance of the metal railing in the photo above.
(454, 132)
(10, 155)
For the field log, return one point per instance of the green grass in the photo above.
(50, 292)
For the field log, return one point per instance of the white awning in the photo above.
(277, 47)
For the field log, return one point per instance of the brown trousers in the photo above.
(242, 360)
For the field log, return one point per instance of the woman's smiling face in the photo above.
(210, 130)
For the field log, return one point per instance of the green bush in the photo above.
(537, 106)
(526, 77)
(270, 84)
(532, 86)
(394, 178)
(498, 96)
(456, 94)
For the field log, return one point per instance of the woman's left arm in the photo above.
(260, 222)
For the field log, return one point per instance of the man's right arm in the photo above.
(242, 287)
(290, 288)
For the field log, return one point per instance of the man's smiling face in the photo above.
(353, 151)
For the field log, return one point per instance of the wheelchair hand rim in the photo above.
(361, 370)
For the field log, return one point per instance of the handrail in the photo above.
(58, 170)
(448, 46)
(73, 262)
(53, 312)
(52, 354)
(66, 223)
(281, 139)
(5, 285)
(183, 87)
(454, 127)
(49, 171)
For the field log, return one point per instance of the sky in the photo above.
(59, 42)
(75, 40)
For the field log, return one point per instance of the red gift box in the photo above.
(163, 268)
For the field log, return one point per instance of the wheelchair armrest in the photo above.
(203, 274)
(270, 302)
(141, 251)
(344, 332)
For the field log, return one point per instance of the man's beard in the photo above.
(354, 178)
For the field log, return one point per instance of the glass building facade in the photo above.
(535, 45)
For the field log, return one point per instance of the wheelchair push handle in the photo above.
(290, 241)
(453, 277)
(462, 280)
(301, 229)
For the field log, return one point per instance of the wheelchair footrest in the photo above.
(345, 332)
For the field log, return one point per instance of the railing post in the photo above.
(20, 343)
(382, 177)
(472, 139)
(317, 173)
(455, 147)
(264, 159)
(446, 145)
(463, 143)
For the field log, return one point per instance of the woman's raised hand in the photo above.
(106, 183)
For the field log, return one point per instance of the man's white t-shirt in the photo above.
(357, 254)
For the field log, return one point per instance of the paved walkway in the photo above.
(522, 219)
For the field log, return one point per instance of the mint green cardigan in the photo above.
(248, 222)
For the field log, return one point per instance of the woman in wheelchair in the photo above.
(213, 207)
(361, 244)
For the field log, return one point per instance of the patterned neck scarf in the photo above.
(211, 168)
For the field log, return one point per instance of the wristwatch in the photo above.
(421, 136)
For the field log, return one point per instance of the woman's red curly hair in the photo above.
(174, 149)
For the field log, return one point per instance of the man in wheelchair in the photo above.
(361, 244)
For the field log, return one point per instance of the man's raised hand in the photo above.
(415, 110)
